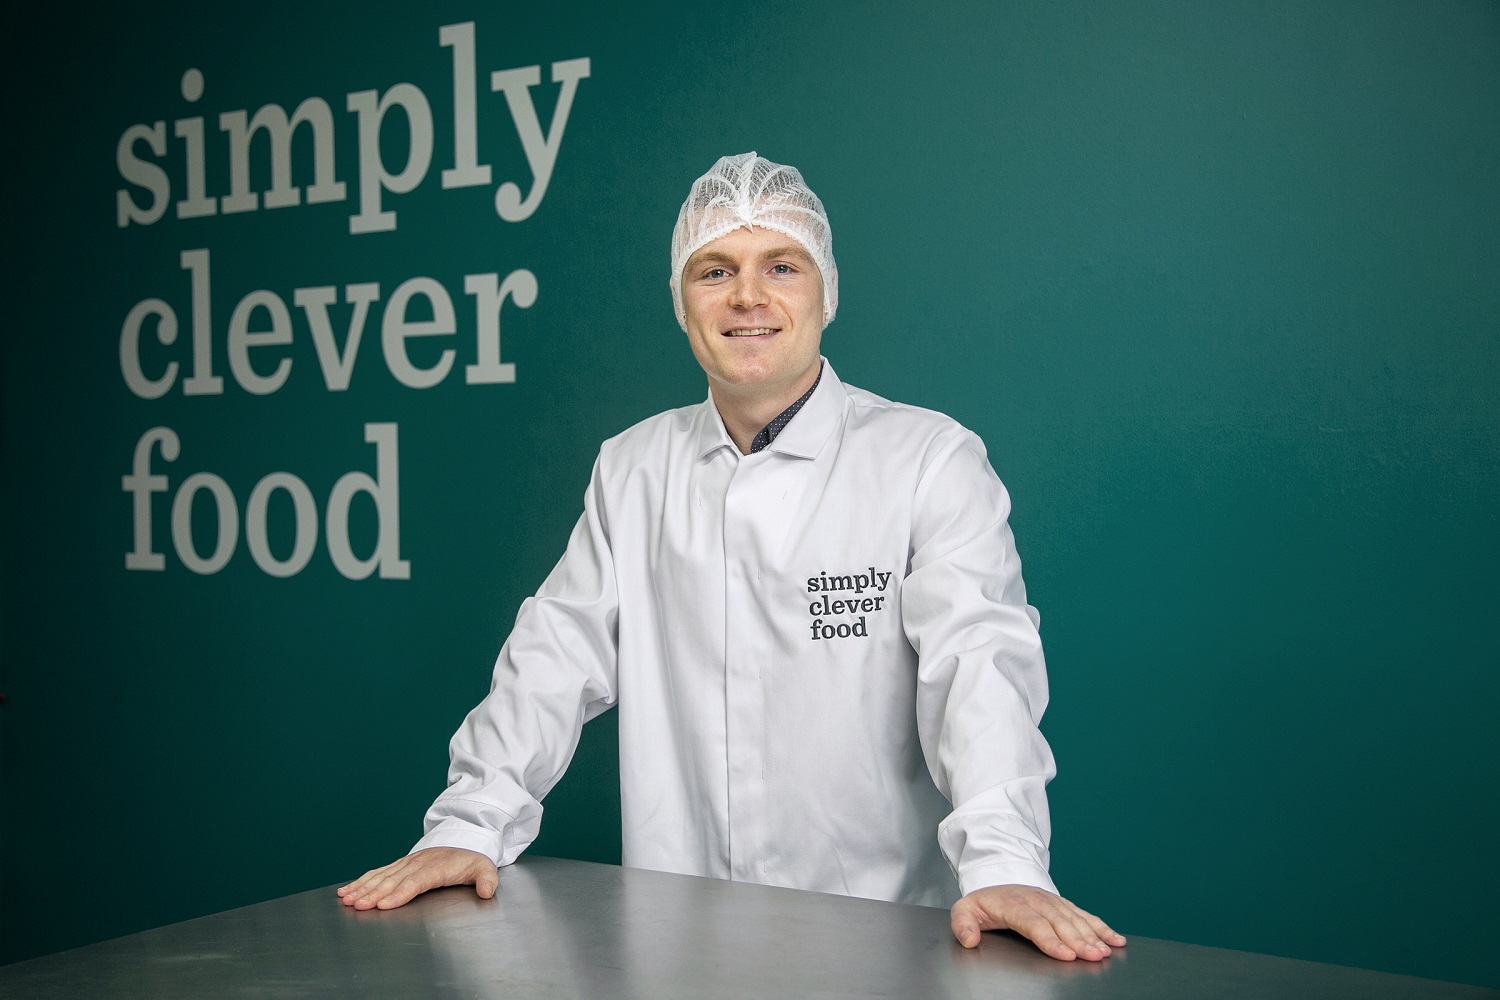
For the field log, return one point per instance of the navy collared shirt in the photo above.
(768, 433)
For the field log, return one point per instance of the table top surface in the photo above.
(573, 929)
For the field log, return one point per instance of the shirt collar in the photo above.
(814, 424)
(803, 437)
(768, 433)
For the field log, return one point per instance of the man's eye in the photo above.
(781, 269)
(715, 273)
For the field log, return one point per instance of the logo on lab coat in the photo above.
(843, 603)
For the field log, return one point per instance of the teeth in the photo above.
(757, 332)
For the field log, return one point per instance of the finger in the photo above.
(1106, 933)
(1069, 922)
(421, 874)
(407, 889)
(354, 884)
(985, 915)
(349, 887)
(404, 885)
(1081, 938)
(965, 927)
(350, 893)
(399, 882)
(384, 884)
(487, 884)
(1040, 932)
(367, 879)
(1072, 926)
(1102, 936)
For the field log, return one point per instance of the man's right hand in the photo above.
(402, 881)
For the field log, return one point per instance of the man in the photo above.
(805, 601)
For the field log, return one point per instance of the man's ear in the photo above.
(676, 313)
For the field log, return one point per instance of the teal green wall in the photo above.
(1217, 284)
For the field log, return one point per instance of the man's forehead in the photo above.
(759, 243)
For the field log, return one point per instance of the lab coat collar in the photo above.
(803, 437)
(807, 432)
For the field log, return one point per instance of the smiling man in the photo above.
(752, 304)
(805, 601)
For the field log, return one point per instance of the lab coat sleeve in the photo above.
(981, 682)
(555, 672)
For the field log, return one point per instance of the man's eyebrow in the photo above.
(784, 250)
(788, 250)
(706, 256)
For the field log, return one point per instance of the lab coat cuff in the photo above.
(1005, 873)
(457, 834)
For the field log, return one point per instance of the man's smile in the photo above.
(759, 331)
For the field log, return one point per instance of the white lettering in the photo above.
(141, 174)
(337, 368)
(242, 338)
(489, 296)
(130, 348)
(466, 171)
(141, 484)
(395, 328)
(373, 175)
(335, 359)
(197, 203)
(304, 534)
(203, 381)
(228, 514)
(316, 115)
(541, 154)
(385, 490)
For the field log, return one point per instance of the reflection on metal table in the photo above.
(573, 929)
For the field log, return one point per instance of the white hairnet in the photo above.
(747, 190)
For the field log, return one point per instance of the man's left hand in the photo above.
(1050, 922)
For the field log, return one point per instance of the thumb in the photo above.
(965, 927)
(486, 884)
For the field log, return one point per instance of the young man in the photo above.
(805, 601)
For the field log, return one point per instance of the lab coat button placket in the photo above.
(742, 689)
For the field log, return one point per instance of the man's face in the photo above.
(753, 304)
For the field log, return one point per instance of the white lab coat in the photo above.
(814, 650)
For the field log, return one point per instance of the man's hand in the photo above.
(402, 881)
(1050, 922)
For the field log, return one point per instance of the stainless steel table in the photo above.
(572, 929)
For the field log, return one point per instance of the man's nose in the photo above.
(747, 291)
